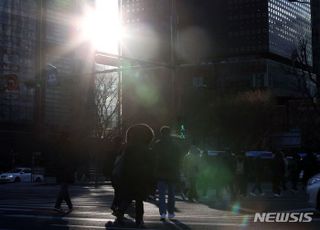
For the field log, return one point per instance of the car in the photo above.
(313, 191)
(21, 174)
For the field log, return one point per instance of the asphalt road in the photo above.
(26, 206)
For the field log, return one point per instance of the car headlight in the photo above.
(314, 180)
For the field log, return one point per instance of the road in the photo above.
(27, 206)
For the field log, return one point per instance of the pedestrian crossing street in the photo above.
(91, 211)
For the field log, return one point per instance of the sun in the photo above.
(102, 26)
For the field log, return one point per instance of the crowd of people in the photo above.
(144, 166)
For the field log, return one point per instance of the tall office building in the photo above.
(147, 92)
(60, 62)
(251, 42)
(288, 23)
(17, 60)
(245, 27)
(244, 44)
(38, 52)
(37, 73)
(148, 29)
(262, 33)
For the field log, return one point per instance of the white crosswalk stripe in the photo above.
(83, 212)
(92, 211)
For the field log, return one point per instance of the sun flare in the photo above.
(102, 26)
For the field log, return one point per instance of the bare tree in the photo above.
(310, 84)
(307, 109)
(106, 99)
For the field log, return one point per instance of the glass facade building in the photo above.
(147, 26)
(60, 54)
(146, 93)
(23, 42)
(245, 27)
(18, 35)
(288, 24)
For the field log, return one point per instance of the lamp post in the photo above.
(173, 64)
(40, 67)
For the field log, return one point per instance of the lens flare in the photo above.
(102, 26)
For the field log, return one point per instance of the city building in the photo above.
(147, 93)
(237, 28)
(246, 44)
(38, 74)
(253, 44)
(18, 61)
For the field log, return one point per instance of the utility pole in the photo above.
(173, 40)
(120, 124)
(40, 70)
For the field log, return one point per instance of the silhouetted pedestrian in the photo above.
(285, 176)
(230, 163)
(294, 171)
(117, 148)
(257, 174)
(278, 171)
(205, 174)
(65, 171)
(241, 174)
(309, 167)
(135, 179)
(167, 171)
(191, 167)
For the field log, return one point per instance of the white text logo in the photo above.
(283, 217)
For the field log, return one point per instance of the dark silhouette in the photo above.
(285, 176)
(241, 174)
(167, 171)
(117, 150)
(191, 169)
(294, 171)
(206, 173)
(133, 173)
(278, 170)
(309, 167)
(257, 174)
(65, 171)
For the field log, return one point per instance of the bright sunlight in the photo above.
(102, 26)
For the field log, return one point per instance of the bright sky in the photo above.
(102, 26)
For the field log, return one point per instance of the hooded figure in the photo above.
(134, 171)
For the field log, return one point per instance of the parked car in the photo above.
(313, 190)
(21, 174)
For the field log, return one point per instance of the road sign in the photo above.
(12, 82)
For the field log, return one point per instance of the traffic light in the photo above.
(182, 131)
(181, 127)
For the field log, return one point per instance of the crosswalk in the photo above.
(32, 208)
(89, 213)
